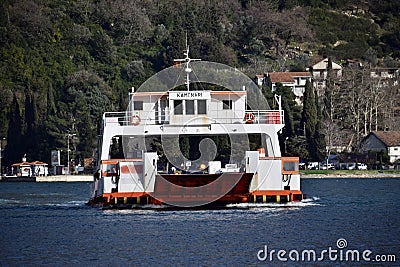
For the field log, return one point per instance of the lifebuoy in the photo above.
(249, 117)
(135, 120)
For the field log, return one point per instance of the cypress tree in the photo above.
(328, 100)
(288, 106)
(30, 138)
(319, 137)
(14, 149)
(309, 119)
(287, 98)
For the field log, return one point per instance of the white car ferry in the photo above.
(237, 158)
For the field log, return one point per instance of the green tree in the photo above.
(88, 96)
(30, 136)
(310, 119)
(288, 106)
(319, 136)
(290, 137)
(14, 148)
(46, 45)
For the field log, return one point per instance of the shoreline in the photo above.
(52, 178)
(89, 178)
(344, 176)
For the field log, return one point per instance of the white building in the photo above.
(294, 80)
(319, 73)
(28, 169)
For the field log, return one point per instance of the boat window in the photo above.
(189, 107)
(227, 104)
(201, 107)
(138, 105)
(109, 169)
(290, 166)
(178, 110)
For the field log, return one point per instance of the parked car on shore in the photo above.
(313, 165)
(351, 166)
(302, 166)
(330, 166)
(362, 166)
(357, 166)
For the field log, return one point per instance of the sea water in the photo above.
(341, 222)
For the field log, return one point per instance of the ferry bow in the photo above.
(132, 169)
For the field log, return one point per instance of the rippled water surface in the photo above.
(48, 224)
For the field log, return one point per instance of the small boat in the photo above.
(235, 155)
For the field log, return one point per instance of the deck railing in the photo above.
(212, 117)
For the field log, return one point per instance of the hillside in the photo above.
(64, 62)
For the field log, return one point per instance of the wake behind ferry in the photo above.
(233, 156)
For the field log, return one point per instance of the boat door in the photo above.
(163, 111)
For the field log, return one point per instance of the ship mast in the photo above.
(187, 61)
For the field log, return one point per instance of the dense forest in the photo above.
(64, 62)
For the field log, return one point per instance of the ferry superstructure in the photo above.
(140, 161)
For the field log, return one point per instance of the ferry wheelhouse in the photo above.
(141, 162)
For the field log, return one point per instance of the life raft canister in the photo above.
(135, 120)
(249, 117)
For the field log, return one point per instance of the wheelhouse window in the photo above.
(227, 104)
(138, 105)
(201, 107)
(189, 107)
(109, 169)
(178, 108)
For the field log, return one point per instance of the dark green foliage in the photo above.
(15, 130)
(311, 123)
(88, 96)
(291, 135)
(387, 16)
(288, 106)
(343, 36)
(63, 63)
(319, 137)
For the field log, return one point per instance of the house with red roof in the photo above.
(294, 80)
(386, 141)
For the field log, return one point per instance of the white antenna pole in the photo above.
(187, 61)
(188, 70)
(186, 43)
(278, 100)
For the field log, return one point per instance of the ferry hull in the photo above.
(183, 190)
(202, 189)
(196, 191)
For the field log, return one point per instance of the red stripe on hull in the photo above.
(190, 190)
